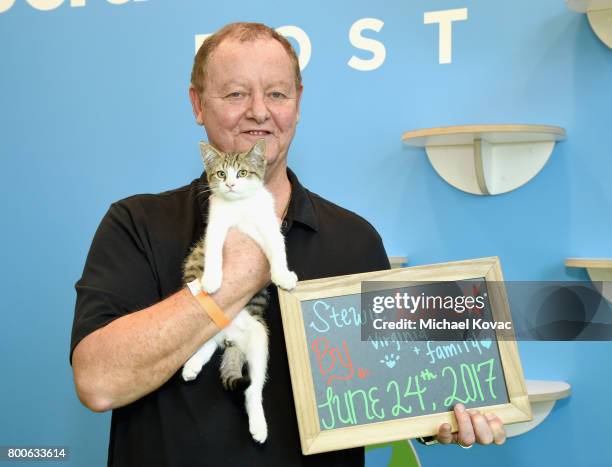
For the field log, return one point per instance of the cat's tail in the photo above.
(231, 368)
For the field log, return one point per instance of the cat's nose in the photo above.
(229, 185)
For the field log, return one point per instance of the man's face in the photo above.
(249, 93)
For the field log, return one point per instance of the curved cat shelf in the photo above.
(487, 159)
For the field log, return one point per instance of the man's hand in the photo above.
(245, 272)
(474, 427)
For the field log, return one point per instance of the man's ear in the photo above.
(299, 101)
(209, 154)
(196, 105)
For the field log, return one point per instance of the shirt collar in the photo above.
(300, 210)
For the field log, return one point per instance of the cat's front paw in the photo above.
(190, 372)
(285, 279)
(258, 428)
(211, 282)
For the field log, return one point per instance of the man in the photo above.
(136, 325)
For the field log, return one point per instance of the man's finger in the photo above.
(497, 426)
(466, 435)
(482, 430)
(445, 435)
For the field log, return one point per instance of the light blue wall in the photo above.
(93, 108)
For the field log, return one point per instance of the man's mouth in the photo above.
(257, 132)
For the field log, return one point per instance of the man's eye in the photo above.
(242, 173)
(221, 174)
(277, 95)
(235, 95)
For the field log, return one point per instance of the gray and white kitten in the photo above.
(239, 199)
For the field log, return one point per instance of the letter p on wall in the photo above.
(445, 19)
(294, 32)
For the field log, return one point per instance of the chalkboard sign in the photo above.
(358, 381)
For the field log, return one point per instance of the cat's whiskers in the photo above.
(204, 191)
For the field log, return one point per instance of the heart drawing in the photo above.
(486, 343)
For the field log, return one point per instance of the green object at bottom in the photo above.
(402, 454)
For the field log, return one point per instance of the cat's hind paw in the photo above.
(259, 429)
(285, 280)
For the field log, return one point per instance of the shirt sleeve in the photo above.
(380, 258)
(118, 277)
(368, 242)
(377, 258)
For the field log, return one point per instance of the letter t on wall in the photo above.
(445, 19)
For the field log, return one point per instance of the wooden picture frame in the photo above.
(313, 439)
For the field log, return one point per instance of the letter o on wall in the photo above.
(303, 41)
(6, 5)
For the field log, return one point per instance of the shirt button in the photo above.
(284, 225)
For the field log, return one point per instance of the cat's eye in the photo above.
(242, 173)
(221, 174)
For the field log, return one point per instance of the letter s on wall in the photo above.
(371, 45)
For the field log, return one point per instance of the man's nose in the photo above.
(258, 109)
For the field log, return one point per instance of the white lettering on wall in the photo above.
(5, 5)
(376, 47)
(48, 5)
(199, 39)
(445, 20)
(288, 31)
(45, 5)
(303, 42)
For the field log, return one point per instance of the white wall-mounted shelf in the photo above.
(397, 261)
(487, 159)
(600, 272)
(543, 396)
(599, 13)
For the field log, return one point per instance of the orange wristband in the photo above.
(208, 304)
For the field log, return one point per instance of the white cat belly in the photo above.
(255, 217)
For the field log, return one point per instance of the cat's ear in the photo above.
(257, 154)
(209, 154)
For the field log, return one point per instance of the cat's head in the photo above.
(234, 175)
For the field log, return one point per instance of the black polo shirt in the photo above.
(135, 261)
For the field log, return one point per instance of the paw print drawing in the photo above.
(390, 360)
